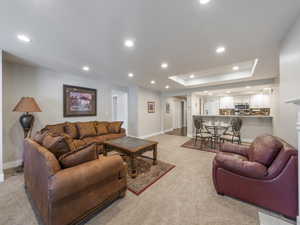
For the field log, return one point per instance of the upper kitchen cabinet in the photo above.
(260, 101)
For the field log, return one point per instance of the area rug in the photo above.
(205, 147)
(148, 174)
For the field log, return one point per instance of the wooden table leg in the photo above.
(155, 155)
(104, 150)
(133, 171)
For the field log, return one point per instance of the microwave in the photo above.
(238, 107)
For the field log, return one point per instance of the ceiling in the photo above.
(69, 34)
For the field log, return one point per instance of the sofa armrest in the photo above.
(235, 148)
(75, 179)
(123, 131)
(240, 166)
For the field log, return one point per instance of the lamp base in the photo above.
(26, 121)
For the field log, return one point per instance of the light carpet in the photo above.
(185, 196)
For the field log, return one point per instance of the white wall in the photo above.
(47, 88)
(289, 84)
(122, 107)
(1, 116)
(148, 123)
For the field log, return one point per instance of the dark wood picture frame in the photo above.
(67, 101)
(151, 107)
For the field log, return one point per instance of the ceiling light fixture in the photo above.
(248, 87)
(204, 2)
(220, 49)
(86, 68)
(167, 86)
(24, 38)
(152, 82)
(164, 65)
(130, 75)
(129, 43)
(206, 92)
(235, 68)
(228, 92)
(192, 76)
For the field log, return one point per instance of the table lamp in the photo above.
(27, 105)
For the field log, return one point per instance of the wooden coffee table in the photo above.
(133, 148)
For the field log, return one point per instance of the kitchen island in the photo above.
(253, 125)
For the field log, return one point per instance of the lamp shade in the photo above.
(27, 104)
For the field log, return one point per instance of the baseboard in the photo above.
(169, 130)
(12, 164)
(1, 177)
(151, 135)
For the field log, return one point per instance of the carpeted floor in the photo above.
(185, 196)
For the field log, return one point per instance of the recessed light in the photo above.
(206, 92)
(152, 82)
(210, 94)
(235, 68)
(164, 65)
(24, 38)
(86, 68)
(204, 2)
(129, 43)
(228, 92)
(167, 86)
(220, 49)
(192, 76)
(248, 87)
(130, 75)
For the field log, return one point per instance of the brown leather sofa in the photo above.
(264, 174)
(83, 133)
(64, 196)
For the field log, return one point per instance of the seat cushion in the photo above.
(71, 129)
(58, 145)
(229, 137)
(113, 136)
(102, 128)
(82, 155)
(115, 127)
(264, 149)
(86, 129)
(96, 139)
(76, 144)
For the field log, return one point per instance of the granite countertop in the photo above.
(251, 116)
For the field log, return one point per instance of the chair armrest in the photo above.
(235, 148)
(75, 179)
(240, 166)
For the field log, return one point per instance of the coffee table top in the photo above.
(130, 143)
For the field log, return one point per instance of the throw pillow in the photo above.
(115, 127)
(71, 130)
(39, 137)
(101, 129)
(55, 129)
(56, 144)
(86, 129)
(82, 155)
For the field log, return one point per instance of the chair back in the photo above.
(198, 123)
(236, 124)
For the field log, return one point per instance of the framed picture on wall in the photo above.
(151, 107)
(168, 107)
(79, 101)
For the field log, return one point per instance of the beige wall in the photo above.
(1, 112)
(289, 84)
(46, 87)
(148, 123)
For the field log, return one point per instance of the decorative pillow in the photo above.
(56, 144)
(39, 137)
(264, 149)
(101, 128)
(86, 129)
(71, 130)
(82, 155)
(115, 127)
(55, 129)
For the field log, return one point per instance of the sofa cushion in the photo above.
(56, 128)
(77, 143)
(71, 129)
(56, 144)
(82, 155)
(115, 127)
(264, 149)
(96, 139)
(86, 129)
(101, 128)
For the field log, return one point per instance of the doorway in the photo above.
(120, 107)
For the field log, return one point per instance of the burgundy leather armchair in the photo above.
(264, 174)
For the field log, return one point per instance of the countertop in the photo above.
(229, 116)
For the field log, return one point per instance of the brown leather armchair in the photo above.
(265, 174)
(67, 196)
